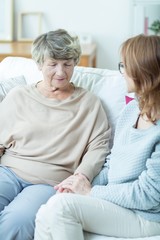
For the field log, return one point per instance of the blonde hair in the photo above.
(141, 58)
(58, 44)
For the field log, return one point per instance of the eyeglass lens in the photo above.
(121, 67)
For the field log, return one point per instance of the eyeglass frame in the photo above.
(121, 67)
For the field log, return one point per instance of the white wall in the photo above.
(109, 22)
(153, 13)
(145, 12)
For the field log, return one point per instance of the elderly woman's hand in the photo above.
(77, 183)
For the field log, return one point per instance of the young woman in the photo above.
(128, 204)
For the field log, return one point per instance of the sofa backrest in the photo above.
(108, 85)
(17, 66)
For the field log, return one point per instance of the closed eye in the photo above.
(68, 65)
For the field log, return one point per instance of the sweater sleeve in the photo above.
(7, 120)
(140, 194)
(98, 146)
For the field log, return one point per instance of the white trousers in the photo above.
(67, 215)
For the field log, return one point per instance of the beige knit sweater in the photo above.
(47, 140)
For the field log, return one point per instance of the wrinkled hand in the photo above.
(75, 184)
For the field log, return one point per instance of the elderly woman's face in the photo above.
(57, 73)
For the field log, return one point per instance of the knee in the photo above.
(54, 205)
(48, 216)
(54, 208)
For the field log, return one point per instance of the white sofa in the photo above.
(109, 85)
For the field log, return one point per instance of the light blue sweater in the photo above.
(131, 174)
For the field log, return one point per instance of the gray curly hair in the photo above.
(58, 44)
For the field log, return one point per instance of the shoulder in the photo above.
(132, 105)
(132, 108)
(87, 95)
(128, 115)
(16, 93)
(90, 101)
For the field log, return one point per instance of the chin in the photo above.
(130, 90)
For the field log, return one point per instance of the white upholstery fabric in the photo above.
(7, 84)
(107, 84)
(16, 66)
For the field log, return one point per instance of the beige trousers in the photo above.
(67, 215)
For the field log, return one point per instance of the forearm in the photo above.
(140, 194)
(92, 164)
(94, 158)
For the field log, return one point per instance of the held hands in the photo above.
(77, 183)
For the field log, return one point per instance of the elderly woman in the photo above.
(49, 131)
(128, 204)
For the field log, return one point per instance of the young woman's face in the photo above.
(129, 81)
(57, 73)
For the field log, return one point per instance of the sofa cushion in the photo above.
(7, 84)
(15, 66)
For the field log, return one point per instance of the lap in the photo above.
(18, 196)
(9, 187)
(101, 217)
(23, 201)
(30, 199)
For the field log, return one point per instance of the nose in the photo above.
(60, 70)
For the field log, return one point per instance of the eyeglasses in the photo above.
(121, 67)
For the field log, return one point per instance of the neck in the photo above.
(55, 89)
(53, 92)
